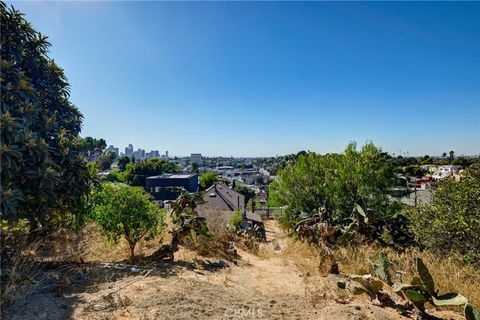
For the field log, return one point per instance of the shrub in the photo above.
(122, 210)
(207, 179)
(236, 220)
(452, 221)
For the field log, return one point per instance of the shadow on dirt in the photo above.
(55, 289)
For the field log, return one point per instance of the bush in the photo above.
(122, 210)
(236, 220)
(452, 221)
(115, 176)
(207, 179)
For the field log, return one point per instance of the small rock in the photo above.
(134, 270)
(222, 264)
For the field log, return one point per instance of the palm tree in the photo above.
(451, 156)
(444, 155)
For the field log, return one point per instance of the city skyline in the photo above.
(167, 154)
(266, 79)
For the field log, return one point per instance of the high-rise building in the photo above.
(111, 148)
(166, 154)
(129, 151)
(196, 158)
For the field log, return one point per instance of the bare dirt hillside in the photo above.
(263, 286)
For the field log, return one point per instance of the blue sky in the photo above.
(268, 78)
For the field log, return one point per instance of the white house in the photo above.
(445, 171)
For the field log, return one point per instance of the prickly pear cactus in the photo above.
(425, 275)
(383, 268)
(449, 299)
(471, 312)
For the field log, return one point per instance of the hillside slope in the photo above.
(267, 285)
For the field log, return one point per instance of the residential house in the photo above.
(446, 171)
(169, 186)
(220, 202)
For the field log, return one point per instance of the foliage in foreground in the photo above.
(185, 223)
(122, 210)
(43, 173)
(452, 221)
(416, 293)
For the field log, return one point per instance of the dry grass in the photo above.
(302, 255)
(89, 245)
(218, 245)
(21, 274)
(449, 273)
(217, 220)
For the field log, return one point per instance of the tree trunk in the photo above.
(132, 251)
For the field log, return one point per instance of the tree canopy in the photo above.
(207, 179)
(122, 210)
(138, 171)
(452, 221)
(42, 171)
(92, 148)
(106, 160)
(122, 162)
(246, 192)
(336, 182)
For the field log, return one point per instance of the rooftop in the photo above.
(173, 176)
(221, 197)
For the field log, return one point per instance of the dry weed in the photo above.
(19, 275)
(449, 273)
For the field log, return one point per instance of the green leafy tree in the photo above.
(259, 180)
(92, 148)
(452, 221)
(462, 161)
(137, 172)
(207, 179)
(122, 163)
(246, 192)
(115, 176)
(43, 173)
(427, 160)
(337, 185)
(106, 160)
(194, 168)
(122, 210)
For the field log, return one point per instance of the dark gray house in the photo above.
(170, 186)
